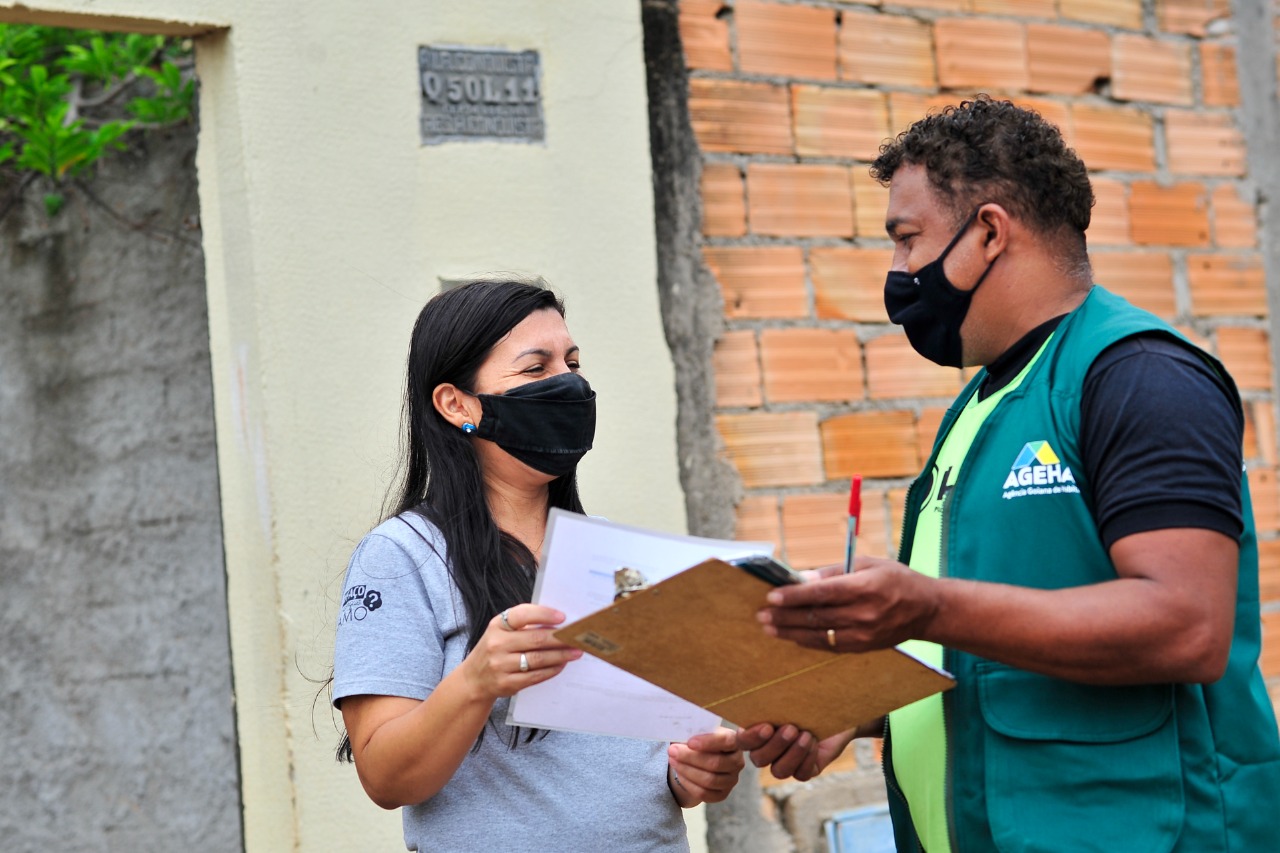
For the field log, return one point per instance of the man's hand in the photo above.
(1166, 617)
(878, 606)
(790, 753)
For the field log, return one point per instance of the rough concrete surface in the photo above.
(115, 678)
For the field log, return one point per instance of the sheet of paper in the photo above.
(576, 577)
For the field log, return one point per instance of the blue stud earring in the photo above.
(468, 428)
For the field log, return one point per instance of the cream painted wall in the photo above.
(326, 226)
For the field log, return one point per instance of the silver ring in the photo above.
(831, 637)
(524, 663)
(505, 623)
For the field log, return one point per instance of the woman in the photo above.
(433, 637)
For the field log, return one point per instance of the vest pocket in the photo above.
(1079, 767)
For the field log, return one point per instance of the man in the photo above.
(1079, 551)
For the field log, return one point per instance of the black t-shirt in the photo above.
(1160, 435)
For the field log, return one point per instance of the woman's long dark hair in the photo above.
(440, 475)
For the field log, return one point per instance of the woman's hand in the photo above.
(407, 750)
(705, 769)
(517, 650)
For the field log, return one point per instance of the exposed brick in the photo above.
(890, 50)
(1227, 284)
(724, 203)
(1116, 13)
(1247, 356)
(813, 528)
(1147, 69)
(906, 108)
(1109, 219)
(1190, 16)
(1021, 8)
(927, 425)
(799, 200)
(759, 281)
(940, 5)
(870, 444)
(1259, 432)
(981, 53)
(735, 116)
(786, 41)
(1263, 417)
(848, 283)
(833, 122)
(1195, 337)
(870, 201)
(1067, 60)
(1249, 441)
(895, 370)
(1269, 660)
(803, 365)
(1220, 85)
(704, 35)
(1266, 499)
(1176, 216)
(1055, 112)
(736, 362)
(1204, 143)
(773, 449)
(757, 519)
(1269, 570)
(875, 523)
(1114, 138)
(1143, 278)
(1235, 220)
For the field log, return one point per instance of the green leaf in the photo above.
(43, 68)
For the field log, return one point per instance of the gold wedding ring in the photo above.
(831, 637)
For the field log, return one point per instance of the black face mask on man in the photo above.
(929, 308)
(548, 425)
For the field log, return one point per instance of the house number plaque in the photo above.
(473, 94)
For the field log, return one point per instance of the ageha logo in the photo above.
(1039, 471)
(358, 603)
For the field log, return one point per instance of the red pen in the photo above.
(855, 510)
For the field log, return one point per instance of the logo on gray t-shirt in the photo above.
(358, 603)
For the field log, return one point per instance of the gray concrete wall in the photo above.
(115, 685)
(1259, 118)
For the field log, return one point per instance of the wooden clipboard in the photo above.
(695, 634)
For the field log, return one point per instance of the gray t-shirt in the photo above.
(402, 627)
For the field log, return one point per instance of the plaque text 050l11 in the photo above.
(471, 94)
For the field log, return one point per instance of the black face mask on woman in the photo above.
(929, 308)
(548, 425)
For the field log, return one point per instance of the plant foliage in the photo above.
(67, 97)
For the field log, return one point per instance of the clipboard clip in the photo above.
(767, 569)
(627, 582)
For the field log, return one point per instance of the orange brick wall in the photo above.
(789, 102)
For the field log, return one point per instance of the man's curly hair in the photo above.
(993, 151)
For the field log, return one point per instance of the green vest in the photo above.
(1042, 764)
